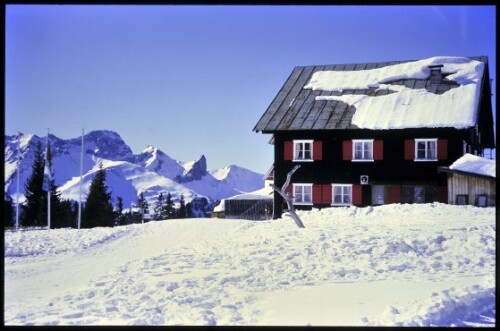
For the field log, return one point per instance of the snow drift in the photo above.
(391, 265)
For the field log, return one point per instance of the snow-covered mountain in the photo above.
(127, 174)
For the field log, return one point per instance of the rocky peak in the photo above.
(194, 170)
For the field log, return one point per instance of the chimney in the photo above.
(436, 76)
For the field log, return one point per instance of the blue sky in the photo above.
(195, 80)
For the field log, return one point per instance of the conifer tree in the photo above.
(159, 207)
(181, 212)
(119, 211)
(59, 217)
(36, 199)
(98, 209)
(142, 204)
(8, 211)
(189, 210)
(66, 214)
(168, 208)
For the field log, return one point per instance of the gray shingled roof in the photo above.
(296, 108)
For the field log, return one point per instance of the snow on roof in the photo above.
(475, 164)
(408, 108)
(263, 193)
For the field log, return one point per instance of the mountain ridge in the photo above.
(150, 172)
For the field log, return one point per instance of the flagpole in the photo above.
(80, 189)
(17, 177)
(48, 189)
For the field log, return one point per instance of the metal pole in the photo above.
(80, 189)
(17, 178)
(48, 189)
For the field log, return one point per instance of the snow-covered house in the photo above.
(375, 133)
(471, 181)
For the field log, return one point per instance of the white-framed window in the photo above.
(341, 194)
(302, 194)
(303, 150)
(426, 149)
(362, 150)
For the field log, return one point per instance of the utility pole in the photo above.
(17, 177)
(48, 189)
(80, 188)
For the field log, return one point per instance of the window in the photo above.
(415, 194)
(362, 150)
(342, 194)
(481, 200)
(378, 195)
(302, 194)
(419, 195)
(425, 149)
(462, 199)
(302, 150)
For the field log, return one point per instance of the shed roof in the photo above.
(475, 165)
(383, 95)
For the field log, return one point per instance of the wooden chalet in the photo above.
(376, 133)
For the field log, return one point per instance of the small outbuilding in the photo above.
(471, 181)
(255, 206)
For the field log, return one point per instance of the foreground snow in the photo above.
(389, 265)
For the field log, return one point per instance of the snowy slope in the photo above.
(149, 172)
(391, 265)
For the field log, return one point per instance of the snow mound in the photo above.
(400, 264)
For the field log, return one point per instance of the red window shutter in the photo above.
(394, 194)
(409, 149)
(347, 150)
(327, 194)
(288, 151)
(378, 150)
(317, 193)
(442, 146)
(356, 194)
(317, 150)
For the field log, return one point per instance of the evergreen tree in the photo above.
(142, 204)
(35, 197)
(58, 217)
(119, 211)
(159, 207)
(66, 214)
(9, 213)
(189, 210)
(98, 209)
(168, 208)
(181, 212)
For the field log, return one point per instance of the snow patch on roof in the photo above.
(476, 165)
(408, 108)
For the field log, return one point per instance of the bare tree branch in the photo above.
(289, 199)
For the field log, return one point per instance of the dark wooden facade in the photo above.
(391, 169)
(393, 176)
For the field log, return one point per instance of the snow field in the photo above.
(390, 265)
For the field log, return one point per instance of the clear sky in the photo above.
(195, 80)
